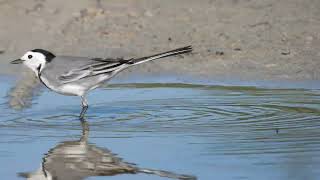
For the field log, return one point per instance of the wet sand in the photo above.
(233, 40)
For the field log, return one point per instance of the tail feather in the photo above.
(183, 50)
(167, 174)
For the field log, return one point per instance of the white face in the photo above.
(34, 60)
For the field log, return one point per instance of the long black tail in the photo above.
(183, 50)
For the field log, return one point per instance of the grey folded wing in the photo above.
(96, 66)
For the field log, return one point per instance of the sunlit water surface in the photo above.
(211, 132)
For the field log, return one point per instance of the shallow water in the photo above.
(211, 132)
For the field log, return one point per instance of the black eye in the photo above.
(30, 56)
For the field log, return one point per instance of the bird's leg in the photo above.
(85, 106)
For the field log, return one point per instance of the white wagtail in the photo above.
(75, 76)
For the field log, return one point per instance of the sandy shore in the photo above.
(232, 39)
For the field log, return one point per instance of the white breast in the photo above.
(72, 89)
(67, 89)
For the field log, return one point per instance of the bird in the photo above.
(76, 76)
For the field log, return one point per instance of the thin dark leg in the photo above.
(85, 107)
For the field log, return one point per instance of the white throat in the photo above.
(36, 63)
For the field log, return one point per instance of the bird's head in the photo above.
(35, 59)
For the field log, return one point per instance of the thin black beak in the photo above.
(17, 61)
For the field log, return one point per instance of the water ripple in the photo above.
(224, 121)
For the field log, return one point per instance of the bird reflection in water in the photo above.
(76, 160)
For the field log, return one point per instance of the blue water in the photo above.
(210, 132)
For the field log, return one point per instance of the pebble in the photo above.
(309, 38)
(219, 53)
(285, 52)
(148, 14)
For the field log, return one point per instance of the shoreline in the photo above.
(193, 81)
